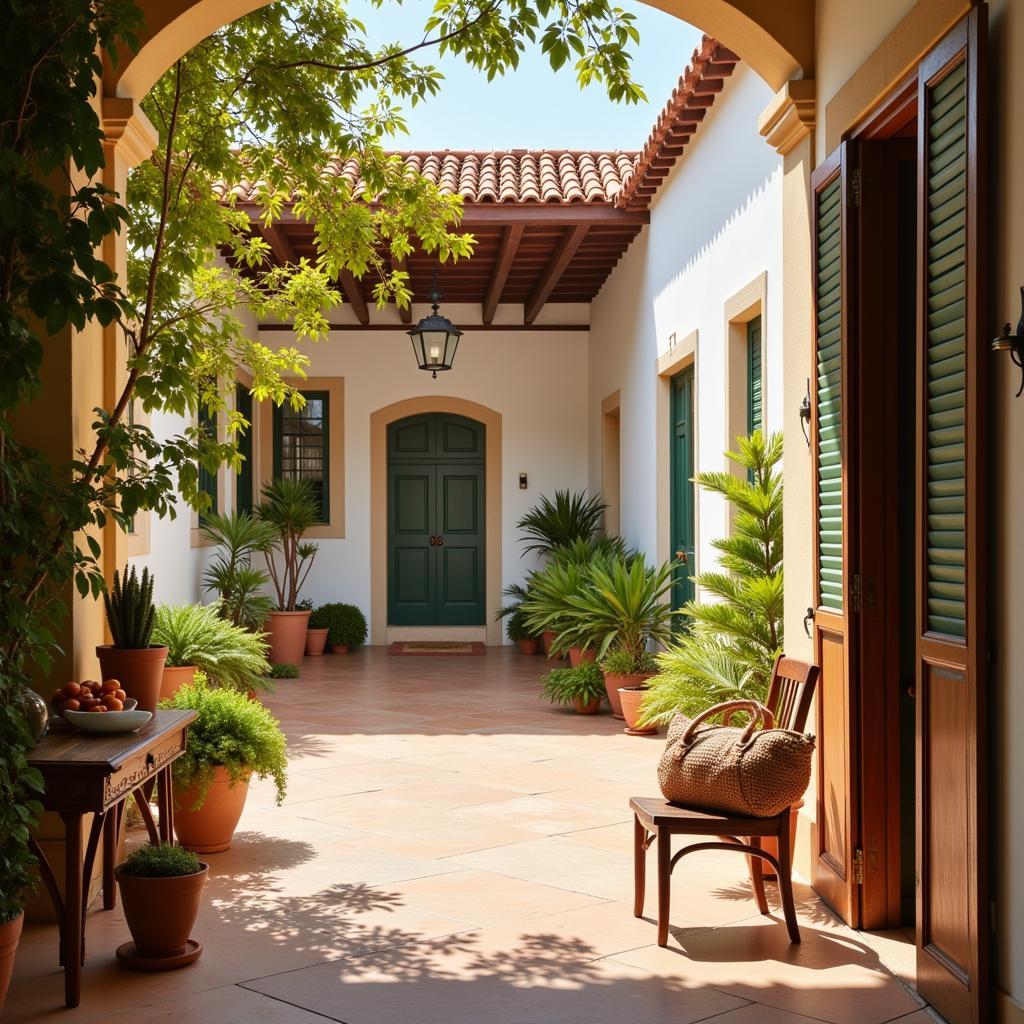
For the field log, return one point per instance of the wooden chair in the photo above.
(656, 820)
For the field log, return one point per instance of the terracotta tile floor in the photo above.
(454, 851)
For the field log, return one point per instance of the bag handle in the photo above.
(760, 716)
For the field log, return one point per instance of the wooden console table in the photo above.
(94, 774)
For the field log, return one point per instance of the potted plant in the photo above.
(316, 635)
(519, 633)
(132, 659)
(238, 585)
(582, 687)
(549, 590)
(197, 637)
(550, 525)
(627, 677)
(161, 888)
(232, 739)
(622, 608)
(289, 506)
(345, 625)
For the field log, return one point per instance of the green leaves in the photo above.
(553, 524)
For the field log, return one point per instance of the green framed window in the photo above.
(207, 480)
(243, 478)
(302, 447)
(754, 379)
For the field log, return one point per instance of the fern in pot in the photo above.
(133, 659)
(582, 687)
(232, 739)
(198, 638)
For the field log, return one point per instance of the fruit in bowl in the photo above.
(91, 695)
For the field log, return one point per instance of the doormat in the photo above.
(435, 647)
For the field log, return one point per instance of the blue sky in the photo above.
(534, 107)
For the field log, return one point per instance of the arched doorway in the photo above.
(436, 521)
(407, 440)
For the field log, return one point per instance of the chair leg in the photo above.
(664, 883)
(757, 876)
(786, 881)
(639, 866)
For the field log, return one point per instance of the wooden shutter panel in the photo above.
(833, 869)
(754, 380)
(952, 827)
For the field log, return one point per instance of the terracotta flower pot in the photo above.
(287, 637)
(578, 656)
(528, 645)
(613, 682)
(210, 828)
(174, 678)
(549, 639)
(10, 933)
(630, 698)
(339, 648)
(140, 672)
(316, 641)
(161, 911)
(590, 707)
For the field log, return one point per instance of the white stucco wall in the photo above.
(715, 227)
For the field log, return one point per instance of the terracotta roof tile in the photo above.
(678, 121)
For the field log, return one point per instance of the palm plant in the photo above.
(734, 639)
(291, 508)
(552, 524)
(195, 634)
(231, 576)
(549, 590)
(623, 606)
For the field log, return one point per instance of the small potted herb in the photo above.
(161, 888)
(316, 635)
(582, 687)
(232, 739)
(345, 625)
(519, 633)
(132, 659)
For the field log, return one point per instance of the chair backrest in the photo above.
(791, 691)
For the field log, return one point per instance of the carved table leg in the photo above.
(166, 804)
(111, 828)
(73, 901)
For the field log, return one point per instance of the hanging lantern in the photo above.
(435, 338)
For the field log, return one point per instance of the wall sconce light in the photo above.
(805, 414)
(1013, 342)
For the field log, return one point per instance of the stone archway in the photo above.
(776, 40)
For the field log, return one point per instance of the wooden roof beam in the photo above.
(354, 296)
(571, 241)
(280, 244)
(506, 257)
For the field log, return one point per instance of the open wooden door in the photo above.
(952, 897)
(836, 869)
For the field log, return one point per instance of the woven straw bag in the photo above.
(757, 771)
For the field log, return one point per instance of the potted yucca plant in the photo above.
(132, 659)
(290, 506)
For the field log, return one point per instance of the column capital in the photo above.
(127, 131)
(789, 117)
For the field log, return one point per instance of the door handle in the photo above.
(440, 542)
(433, 542)
(681, 556)
(808, 620)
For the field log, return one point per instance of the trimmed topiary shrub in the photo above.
(345, 624)
(164, 861)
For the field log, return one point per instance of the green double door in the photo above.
(436, 521)
(681, 512)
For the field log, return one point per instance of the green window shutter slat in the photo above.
(946, 294)
(243, 479)
(208, 480)
(754, 397)
(829, 387)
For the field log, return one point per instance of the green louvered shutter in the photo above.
(208, 480)
(945, 275)
(829, 394)
(754, 384)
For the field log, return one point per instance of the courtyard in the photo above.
(452, 850)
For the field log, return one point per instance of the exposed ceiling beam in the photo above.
(279, 243)
(354, 295)
(567, 247)
(506, 256)
(466, 328)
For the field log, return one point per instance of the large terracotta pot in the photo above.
(174, 678)
(578, 656)
(528, 645)
(549, 638)
(140, 672)
(316, 641)
(10, 933)
(161, 911)
(614, 682)
(286, 637)
(590, 707)
(210, 828)
(630, 698)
